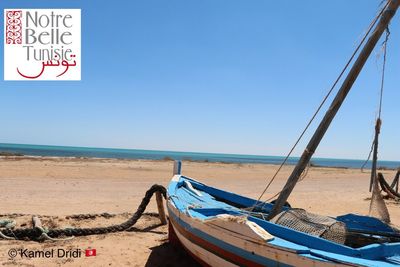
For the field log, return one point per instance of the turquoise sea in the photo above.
(67, 151)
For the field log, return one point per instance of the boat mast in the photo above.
(383, 23)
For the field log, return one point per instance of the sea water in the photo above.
(68, 151)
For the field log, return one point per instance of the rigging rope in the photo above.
(368, 158)
(377, 206)
(303, 175)
(383, 70)
(384, 45)
(321, 104)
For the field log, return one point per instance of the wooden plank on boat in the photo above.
(240, 225)
(177, 167)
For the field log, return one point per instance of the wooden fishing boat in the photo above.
(220, 228)
(215, 228)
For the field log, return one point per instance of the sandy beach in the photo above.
(55, 188)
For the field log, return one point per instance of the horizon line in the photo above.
(198, 152)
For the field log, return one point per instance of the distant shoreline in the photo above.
(19, 150)
(17, 156)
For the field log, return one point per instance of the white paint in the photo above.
(176, 178)
(190, 187)
(233, 235)
(203, 254)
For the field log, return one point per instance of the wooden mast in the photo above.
(336, 103)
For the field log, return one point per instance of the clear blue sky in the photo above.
(210, 75)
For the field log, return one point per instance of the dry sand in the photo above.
(56, 187)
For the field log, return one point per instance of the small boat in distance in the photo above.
(220, 228)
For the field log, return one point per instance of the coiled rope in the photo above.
(38, 233)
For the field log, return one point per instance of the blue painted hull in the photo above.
(195, 211)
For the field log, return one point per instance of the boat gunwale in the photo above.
(305, 255)
(369, 252)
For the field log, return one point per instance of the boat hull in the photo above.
(217, 229)
(210, 248)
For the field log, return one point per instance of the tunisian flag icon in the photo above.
(90, 252)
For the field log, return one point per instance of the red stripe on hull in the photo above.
(173, 239)
(224, 254)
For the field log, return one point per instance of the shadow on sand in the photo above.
(168, 255)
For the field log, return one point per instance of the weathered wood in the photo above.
(387, 188)
(177, 167)
(36, 222)
(336, 103)
(160, 207)
(236, 235)
(375, 153)
(395, 183)
(236, 227)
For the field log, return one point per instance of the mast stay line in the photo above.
(370, 27)
(384, 21)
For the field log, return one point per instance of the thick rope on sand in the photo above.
(39, 234)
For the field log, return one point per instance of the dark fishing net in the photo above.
(317, 225)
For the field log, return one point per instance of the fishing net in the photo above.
(377, 207)
(317, 225)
